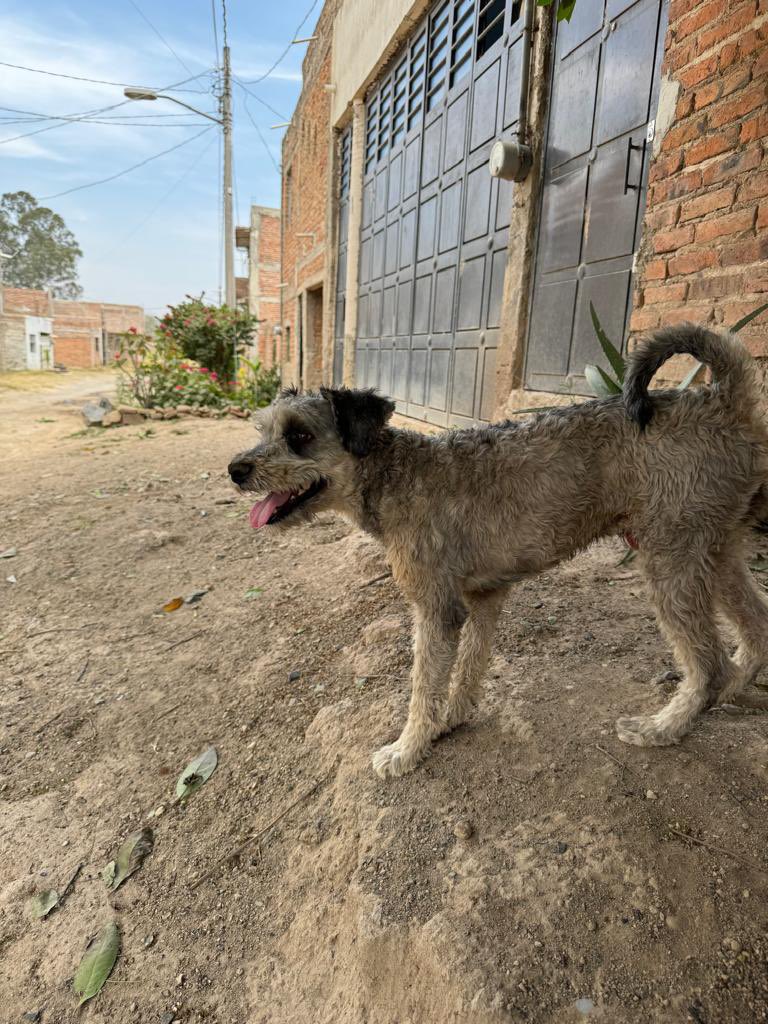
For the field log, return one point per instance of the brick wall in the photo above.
(26, 300)
(704, 251)
(264, 285)
(76, 325)
(305, 194)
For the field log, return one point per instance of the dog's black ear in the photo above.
(358, 415)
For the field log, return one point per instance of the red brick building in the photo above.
(261, 288)
(308, 267)
(704, 251)
(81, 334)
(408, 266)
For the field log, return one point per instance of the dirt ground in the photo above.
(599, 882)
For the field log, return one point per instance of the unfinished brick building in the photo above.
(261, 288)
(40, 331)
(409, 266)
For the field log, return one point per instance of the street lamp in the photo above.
(225, 122)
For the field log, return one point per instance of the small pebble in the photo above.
(149, 940)
(463, 829)
(294, 675)
(559, 847)
(650, 795)
(733, 944)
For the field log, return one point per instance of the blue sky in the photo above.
(151, 236)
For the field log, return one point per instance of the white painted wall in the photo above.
(38, 336)
(365, 36)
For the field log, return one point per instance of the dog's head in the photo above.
(310, 445)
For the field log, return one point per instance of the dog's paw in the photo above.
(643, 731)
(457, 713)
(396, 759)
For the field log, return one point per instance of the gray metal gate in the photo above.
(434, 223)
(604, 89)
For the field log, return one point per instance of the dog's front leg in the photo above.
(437, 626)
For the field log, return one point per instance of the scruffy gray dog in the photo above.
(465, 514)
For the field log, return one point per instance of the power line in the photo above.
(263, 140)
(127, 170)
(259, 99)
(286, 51)
(166, 195)
(215, 31)
(102, 81)
(162, 38)
(63, 121)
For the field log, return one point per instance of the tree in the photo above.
(44, 251)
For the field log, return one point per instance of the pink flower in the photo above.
(187, 322)
(204, 370)
(214, 376)
(133, 330)
(179, 387)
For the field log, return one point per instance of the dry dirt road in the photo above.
(599, 882)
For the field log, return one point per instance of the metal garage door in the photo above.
(434, 224)
(604, 89)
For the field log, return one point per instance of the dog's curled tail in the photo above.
(731, 364)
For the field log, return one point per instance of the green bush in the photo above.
(209, 335)
(154, 372)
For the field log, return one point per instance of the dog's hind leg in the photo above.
(746, 606)
(437, 625)
(685, 606)
(474, 652)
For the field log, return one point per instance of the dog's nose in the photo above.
(239, 470)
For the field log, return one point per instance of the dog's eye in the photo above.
(298, 440)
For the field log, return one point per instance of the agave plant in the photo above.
(604, 385)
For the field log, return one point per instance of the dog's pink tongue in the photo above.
(262, 510)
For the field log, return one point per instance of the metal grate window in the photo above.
(490, 24)
(371, 132)
(437, 58)
(399, 97)
(385, 112)
(417, 58)
(345, 163)
(461, 38)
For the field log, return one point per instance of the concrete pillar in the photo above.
(521, 248)
(353, 241)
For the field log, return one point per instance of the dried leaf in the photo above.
(174, 604)
(196, 773)
(97, 963)
(9, 553)
(41, 905)
(131, 855)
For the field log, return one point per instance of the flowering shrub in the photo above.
(209, 335)
(155, 372)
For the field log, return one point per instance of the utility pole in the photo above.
(229, 233)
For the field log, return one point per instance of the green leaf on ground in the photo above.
(41, 905)
(253, 592)
(97, 963)
(131, 855)
(196, 773)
